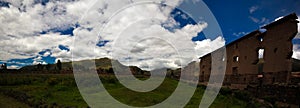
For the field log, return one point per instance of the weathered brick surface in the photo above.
(243, 64)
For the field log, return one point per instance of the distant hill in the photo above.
(65, 66)
(103, 65)
(100, 63)
(295, 65)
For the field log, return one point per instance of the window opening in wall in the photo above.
(261, 53)
(260, 38)
(273, 80)
(235, 58)
(290, 54)
(235, 70)
(275, 50)
(202, 76)
(223, 59)
(260, 61)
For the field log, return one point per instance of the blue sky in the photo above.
(239, 16)
(50, 26)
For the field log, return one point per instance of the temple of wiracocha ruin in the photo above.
(262, 57)
(260, 62)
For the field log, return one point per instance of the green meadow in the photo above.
(60, 90)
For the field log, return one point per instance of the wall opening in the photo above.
(260, 38)
(261, 52)
(235, 58)
(202, 76)
(273, 80)
(223, 59)
(289, 55)
(275, 50)
(261, 61)
(235, 70)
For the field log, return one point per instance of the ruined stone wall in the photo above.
(277, 93)
(205, 68)
(243, 64)
(278, 48)
(190, 72)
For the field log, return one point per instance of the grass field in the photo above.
(8, 102)
(57, 90)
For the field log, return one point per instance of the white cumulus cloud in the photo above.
(141, 29)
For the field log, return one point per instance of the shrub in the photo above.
(226, 91)
(270, 99)
(242, 95)
(52, 81)
(61, 88)
(201, 86)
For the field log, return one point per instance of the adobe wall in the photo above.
(243, 64)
